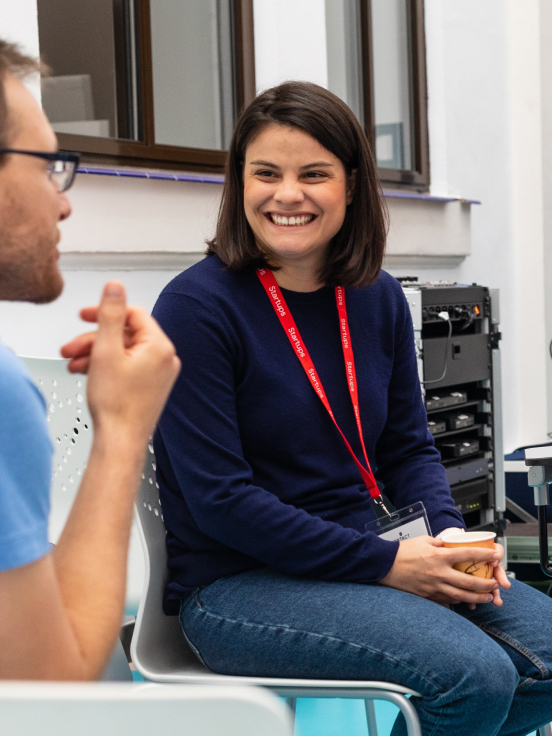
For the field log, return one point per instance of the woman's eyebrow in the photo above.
(316, 164)
(263, 163)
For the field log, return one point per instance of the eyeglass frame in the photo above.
(71, 156)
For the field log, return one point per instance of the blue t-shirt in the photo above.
(251, 469)
(25, 466)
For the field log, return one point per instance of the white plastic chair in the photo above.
(161, 654)
(70, 428)
(125, 710)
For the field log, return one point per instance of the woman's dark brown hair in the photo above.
(356, 252)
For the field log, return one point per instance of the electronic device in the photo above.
(436, 427)
(458, 449)
(459, 421)
(456, 331)
(445, 400)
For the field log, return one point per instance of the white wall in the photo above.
(132, 215)
(546, 104)
(290, 42)
(485, 125)
(18, 24)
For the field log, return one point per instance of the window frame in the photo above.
(418, 177)
(146, 152)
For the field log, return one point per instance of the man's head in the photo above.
(31, 204)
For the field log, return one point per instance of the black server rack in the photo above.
(457, 344)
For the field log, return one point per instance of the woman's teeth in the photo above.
(299, 220)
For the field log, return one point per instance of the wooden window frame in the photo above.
(418, 177)
(146, 152)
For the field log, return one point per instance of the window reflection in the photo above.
(344, 52)
(391, 57)
(90, 48)
(192, 59)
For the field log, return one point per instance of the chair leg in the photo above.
(545, 730)
(292, 705)
(371, 717)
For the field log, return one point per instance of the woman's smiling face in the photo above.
(295, 194)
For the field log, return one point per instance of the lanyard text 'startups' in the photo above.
(288, 323)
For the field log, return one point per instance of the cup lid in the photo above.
(463, 537)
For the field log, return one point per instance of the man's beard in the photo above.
(27, 280)
(55, 288)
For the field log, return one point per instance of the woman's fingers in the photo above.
(470, 554)
(501, 577)
(497, 599)
(471, 582)
(456, 595)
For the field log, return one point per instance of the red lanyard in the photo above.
(288, 323)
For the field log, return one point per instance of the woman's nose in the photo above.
(289, 191)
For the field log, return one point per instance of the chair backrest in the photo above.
(70, 427)
(71, 432)
(158, 645)
(49, 709)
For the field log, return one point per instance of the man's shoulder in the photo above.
(16, 385)
(25, 465)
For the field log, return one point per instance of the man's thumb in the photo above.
(112, 311)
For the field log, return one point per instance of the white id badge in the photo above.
(404, 524)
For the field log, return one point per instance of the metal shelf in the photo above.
(454, 407)
(452, 432)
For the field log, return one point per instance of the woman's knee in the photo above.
(485, 688)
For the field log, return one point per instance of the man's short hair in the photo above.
(12, 61)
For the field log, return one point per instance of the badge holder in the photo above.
(404, 524)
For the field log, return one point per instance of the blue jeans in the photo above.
(481, 673)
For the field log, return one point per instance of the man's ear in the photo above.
(351, 184)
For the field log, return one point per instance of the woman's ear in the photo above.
(351, 184)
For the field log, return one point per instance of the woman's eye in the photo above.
(266, 174)
(315, 175)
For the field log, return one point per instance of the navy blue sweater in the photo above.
(251, 469)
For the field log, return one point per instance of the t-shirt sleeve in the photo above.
(201, 435)
(407, 459)
(25, 466)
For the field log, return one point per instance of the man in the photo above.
(61, 608)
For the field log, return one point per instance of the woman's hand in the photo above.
(423, 566)
(500, 576)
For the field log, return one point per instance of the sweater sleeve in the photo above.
(201, 434)
(408, 461)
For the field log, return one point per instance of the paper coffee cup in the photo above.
(472, 539)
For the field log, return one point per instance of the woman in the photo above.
(272, 570)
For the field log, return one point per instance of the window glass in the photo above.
(344, 52)
(391, 58)
(90, 49)
(192, 53)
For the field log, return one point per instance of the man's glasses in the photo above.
(62, 165)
